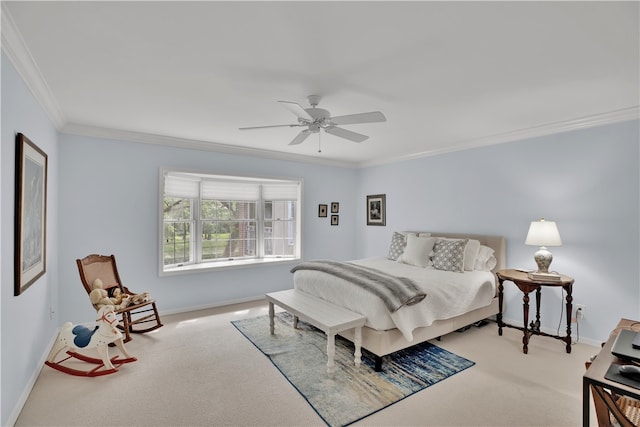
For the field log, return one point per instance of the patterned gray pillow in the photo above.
(398, 243)
(449, 255)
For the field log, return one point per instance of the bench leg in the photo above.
(271, 320)
(358, 344)
(331, 353)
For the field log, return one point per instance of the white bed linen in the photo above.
(449, 294)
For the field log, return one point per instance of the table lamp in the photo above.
(543, 233)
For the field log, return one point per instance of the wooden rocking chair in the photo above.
(103, 267)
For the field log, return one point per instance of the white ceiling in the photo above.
(447, 75)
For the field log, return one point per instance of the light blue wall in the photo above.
(103, 197)
(25, 321)
(586, 180)
(109, 195)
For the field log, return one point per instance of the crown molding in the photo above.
(191, 144)
(611, 117)
(15, 48)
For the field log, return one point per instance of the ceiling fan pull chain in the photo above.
(319, 149)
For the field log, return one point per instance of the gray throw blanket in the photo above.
(395, 292)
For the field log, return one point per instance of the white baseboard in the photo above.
(13, 417)
(575, 338)
(209, 306)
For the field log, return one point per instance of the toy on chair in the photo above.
(77, 337)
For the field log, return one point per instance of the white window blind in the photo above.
(188, 186)
(220, 190)
(181, 186)
(280, 191)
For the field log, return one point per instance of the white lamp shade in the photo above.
(543, 233)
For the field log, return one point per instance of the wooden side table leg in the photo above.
(358, 344)
(500, 299)
(569, 313)
(535, 326)
(331, 353)
(525, 330)
(271, 318)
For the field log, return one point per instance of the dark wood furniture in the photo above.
(527, 285)
(610, 397)
(104, 267)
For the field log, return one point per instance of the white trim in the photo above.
(31, 382)
(227, 265)
(623, 115)
(225, 303)
(575, 338)
(15, 48)
(192, 144)
(198, 266)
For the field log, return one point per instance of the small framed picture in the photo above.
(335, 207)
(376, 211)
(334, 219)
(322, 211)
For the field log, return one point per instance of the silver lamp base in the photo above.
(543, 258)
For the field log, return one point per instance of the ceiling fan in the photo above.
(315, 118)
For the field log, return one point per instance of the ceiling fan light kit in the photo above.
(315, 119)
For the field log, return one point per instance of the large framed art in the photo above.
(376, 210)
(30, 213)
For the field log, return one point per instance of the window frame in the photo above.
(198, 264)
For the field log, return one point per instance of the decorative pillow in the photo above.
(449, 255)
(485, 261)
(417, 250)
(470, 252)
(398, 243)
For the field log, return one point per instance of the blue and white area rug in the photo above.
(350, 394)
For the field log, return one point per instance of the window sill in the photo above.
(225, 265)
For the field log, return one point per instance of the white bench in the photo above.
(325, 316)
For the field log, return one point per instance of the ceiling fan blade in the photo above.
(299, 139)
(272, 126)
(346, 134)
(296, 109)
(372, 117)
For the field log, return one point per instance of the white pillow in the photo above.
(470, 252)
(417, 250)
(485, 261)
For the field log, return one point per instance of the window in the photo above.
(219, 221)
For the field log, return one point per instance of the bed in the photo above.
(458, 299)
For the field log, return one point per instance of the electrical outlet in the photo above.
(580, 311)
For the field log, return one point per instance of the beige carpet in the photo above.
(199, 370)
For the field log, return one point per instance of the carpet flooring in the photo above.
(351, 393)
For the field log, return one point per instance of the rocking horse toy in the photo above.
(99, 337)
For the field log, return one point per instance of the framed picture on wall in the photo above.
(30, 214)
(335, 207)
(334, 219)
(322, 211)
(376, 210)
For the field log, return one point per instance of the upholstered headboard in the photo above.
(497, 243)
